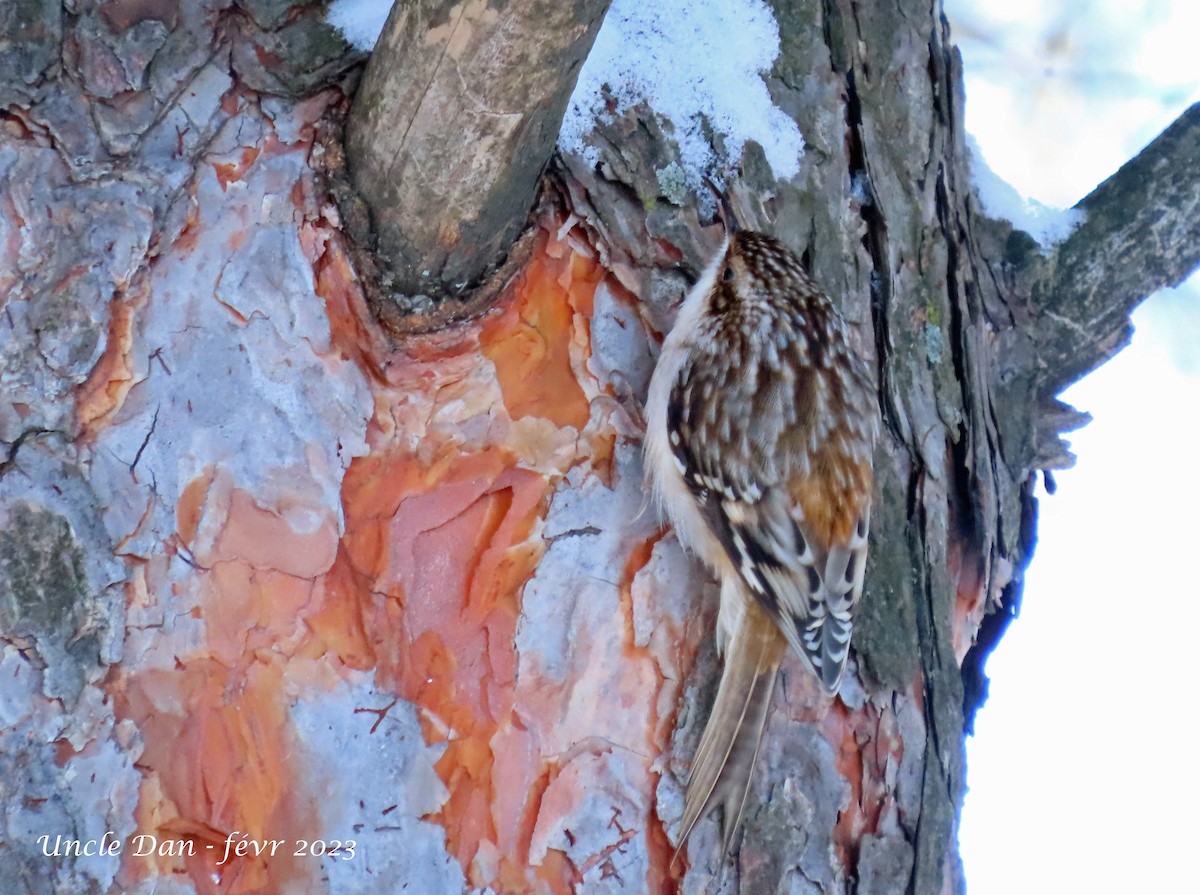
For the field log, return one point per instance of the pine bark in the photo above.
(269, 572)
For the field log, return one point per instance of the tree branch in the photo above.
(454, 123)
(1142, 233)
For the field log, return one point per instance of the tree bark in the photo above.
(269, 575)
(451, 131)
(1140, 233)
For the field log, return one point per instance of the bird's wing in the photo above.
(785, 484)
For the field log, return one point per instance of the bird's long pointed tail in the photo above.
(724, 762)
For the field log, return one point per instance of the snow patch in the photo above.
(698, 65)
(1046, 224)
(360, 21)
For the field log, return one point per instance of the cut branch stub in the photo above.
(457, 115)
(1142, 233)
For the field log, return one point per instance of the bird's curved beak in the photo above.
(725, 211)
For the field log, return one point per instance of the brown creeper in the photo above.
(760, 429)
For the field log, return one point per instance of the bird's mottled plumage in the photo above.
(761, 424)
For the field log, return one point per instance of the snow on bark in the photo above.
(1001, 200)
(698, 66)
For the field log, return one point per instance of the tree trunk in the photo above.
(270, 578)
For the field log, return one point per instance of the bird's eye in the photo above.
(728, 274)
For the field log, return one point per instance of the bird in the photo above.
(761, 423)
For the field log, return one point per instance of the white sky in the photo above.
(1080, 770)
